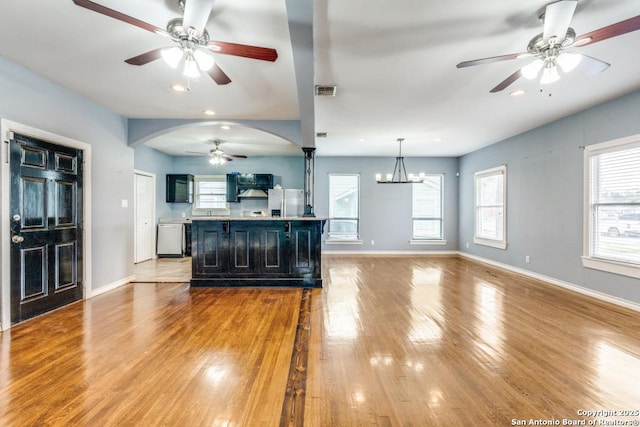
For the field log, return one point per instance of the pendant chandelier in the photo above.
(399, 175)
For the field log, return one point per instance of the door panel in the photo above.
(46, 219)
(144, 217)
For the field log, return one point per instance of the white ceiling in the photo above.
(394, 64)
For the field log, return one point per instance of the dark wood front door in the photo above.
(46, 226)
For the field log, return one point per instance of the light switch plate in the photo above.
(125, 203)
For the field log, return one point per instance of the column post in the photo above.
(309, 182)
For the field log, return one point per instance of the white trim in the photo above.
(111, 286)
(621, 268)
(550, 280)
(342, 242)
(498, 170)
(427, 242)
(5, 280)
(492, 243)
(365, 253)
(608, 265)
(135, 212)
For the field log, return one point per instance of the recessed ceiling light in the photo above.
(225, 127)
(361, 139)
(179, 88)
(517, 92)
(209, 112)
(437, 140)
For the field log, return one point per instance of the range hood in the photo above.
(253, 193)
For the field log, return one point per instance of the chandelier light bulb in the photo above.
(549, 75)
(216, 161)
(569, 61)
(532, 70)
(172, 56)
(191, 67)
(204, 60)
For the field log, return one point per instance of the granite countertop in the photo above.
(254, 218)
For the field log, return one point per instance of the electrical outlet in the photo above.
(527, 259)
(372, 242)
(467, 245)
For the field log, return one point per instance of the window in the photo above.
(210, 195)
(490, 204)
(426, 205)
(344, 207)
(612, 221)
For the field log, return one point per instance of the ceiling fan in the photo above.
(217, 156)
(548, 48)
(193, 48)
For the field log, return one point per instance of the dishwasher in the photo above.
(171, 240)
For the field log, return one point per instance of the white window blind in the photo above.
(427, 208)
(344, 206)
(490, 214)
(614, 203)
(210, 195)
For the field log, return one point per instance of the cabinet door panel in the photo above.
(211, 249)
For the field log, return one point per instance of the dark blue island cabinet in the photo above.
(256, 252)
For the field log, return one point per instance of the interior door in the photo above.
(144, 189)
(46, 226)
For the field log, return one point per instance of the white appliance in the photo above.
(289, 201)
(171, 238)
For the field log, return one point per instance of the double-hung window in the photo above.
(612, 206)
(490, 207)
(210, 195)
(426, 204)
(344, 206)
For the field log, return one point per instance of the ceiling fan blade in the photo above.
(557, 17)
(246, 51)
(146, 57)
(613, 30)
(219, 76)
(87, 4)
(493, 59)
(197, 152)
(592, 66)
(507, 82)
(196, 14)
(238, 156)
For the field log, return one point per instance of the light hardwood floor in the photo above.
(393, 341)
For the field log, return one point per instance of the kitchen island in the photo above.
(256, 251)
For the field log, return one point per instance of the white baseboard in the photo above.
(110, 286)
(570, 286)
(365, 253)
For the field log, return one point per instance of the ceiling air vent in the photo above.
(326, 90)
(321, 135)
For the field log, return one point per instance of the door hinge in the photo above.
(10, 135)
(6, 151)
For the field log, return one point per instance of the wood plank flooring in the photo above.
(393, 341)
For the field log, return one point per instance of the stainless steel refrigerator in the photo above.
(290, 202)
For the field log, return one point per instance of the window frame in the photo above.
(477, 177)
(589, 260)
(336, 238)
(424, 240)
(226, 211)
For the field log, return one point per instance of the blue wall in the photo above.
(34, 101)
(385, 210)
(545, 195)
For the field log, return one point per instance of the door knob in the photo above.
(16, 217)
(17, 239)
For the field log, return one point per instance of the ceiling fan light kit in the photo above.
(193, 50)
(548, 47)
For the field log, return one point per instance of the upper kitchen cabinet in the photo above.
(179, 188)
(239, 182)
